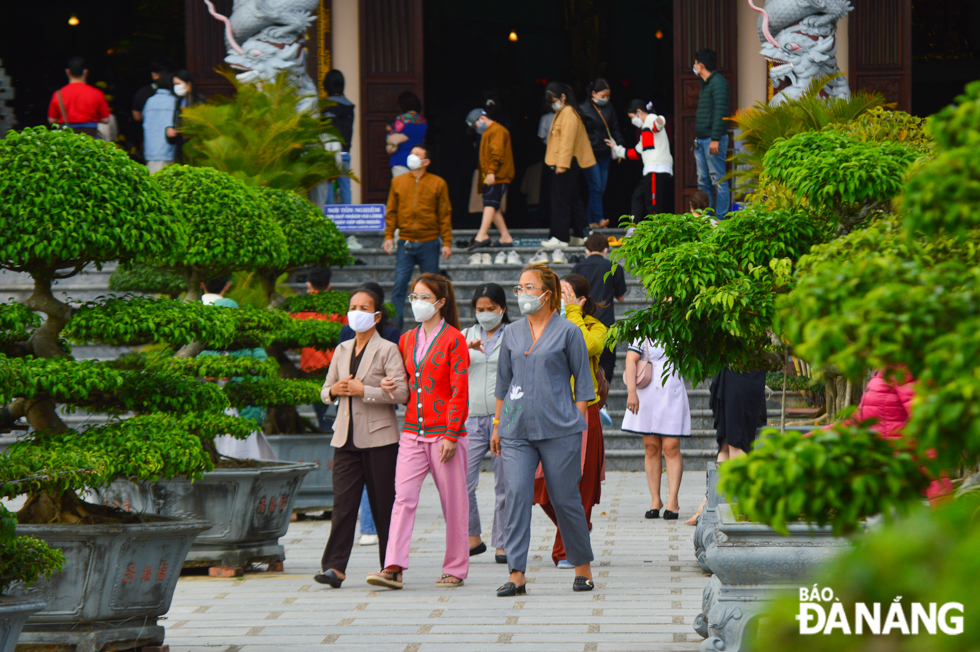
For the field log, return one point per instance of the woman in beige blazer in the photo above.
(368, 376)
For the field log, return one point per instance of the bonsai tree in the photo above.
(259, 136)
(24, 559)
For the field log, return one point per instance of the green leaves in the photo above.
(312, 238)
(67, 199)
(325, 303)
(837, 477)
(26, 559)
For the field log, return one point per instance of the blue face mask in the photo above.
(562, 307)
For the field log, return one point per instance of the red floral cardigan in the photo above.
(438, 387)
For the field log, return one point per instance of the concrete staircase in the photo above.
(623, 451)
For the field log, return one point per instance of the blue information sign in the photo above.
(357, 217)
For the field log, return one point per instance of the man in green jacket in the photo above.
(711, 132)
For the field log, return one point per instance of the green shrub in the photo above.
(24, 559)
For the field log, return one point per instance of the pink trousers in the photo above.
(416, 459)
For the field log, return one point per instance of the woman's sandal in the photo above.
(387, 579)
(449, 585)
(670, 516)
(583, 584)
(653, 513)
(510, 589)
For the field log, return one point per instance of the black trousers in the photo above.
(607, 362)
(567, 204)
(353, 469)
(643, 195)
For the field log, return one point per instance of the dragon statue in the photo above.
(265, 37)
(7, 120)
(804, 46)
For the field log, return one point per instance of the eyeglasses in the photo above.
(521, 289)
(421, 297)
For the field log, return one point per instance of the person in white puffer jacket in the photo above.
(655, 192)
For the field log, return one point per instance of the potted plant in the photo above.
(68, 201)
(22, 561)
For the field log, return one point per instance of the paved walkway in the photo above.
(648, 591)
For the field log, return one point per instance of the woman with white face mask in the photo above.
(368, 376)
(436, 359)
(186, 96)
(539, 419)
(601, 123)
(490, 310)
(655, 192)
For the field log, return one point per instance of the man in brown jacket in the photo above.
(418, 206)
(496, 175)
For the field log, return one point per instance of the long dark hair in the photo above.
(377, 295)
(443, 289)
(581, 288)
(493, 292)
(597, 86)
(556, 89)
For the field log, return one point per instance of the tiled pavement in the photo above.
(648, 591)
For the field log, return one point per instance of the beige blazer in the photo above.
(568, 139)
(374, 413)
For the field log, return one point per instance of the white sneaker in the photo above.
(513, 258)
(476, 259)
(554, 243)
(487, 259)
(368, 540)
(500, 258)
(576, 242)
(353, 244)
(559, 257)
(540, 257)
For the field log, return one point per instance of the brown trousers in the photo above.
(590, 487)
(353, 469)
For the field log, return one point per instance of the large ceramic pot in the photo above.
(116, 581)
(13, 614)
(754, 565)
(248, 508)
(316, 491)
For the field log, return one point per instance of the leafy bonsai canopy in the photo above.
(24, 559)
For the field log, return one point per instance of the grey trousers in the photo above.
(478, 433)
(561, 460)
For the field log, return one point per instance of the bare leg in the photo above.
(517, 577)
(474, 542)
(653, 466)
(585, 570)
(694, 519)
(734, 452)
(675, 469)
(498, 221)
(484, 232)
(723, 453)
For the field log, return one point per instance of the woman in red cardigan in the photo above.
(436, 358)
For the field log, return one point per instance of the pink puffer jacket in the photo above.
(889, 402)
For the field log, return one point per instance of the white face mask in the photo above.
(414, 162)
(180, 90)
(529, 303)
(637, 122)
(360, 321)
(556, 106)
(695, 69)
(423, 310)
(489, 320)
(481, 127)
(601, 101)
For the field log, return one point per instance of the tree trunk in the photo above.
(41, 412)
(839, 393)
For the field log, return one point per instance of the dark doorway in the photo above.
(945, 51)
(469, 54)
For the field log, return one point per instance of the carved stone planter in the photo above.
(316, 491)
(704, 533)
(248, 509)
(13, 614)
(116, 581)
(752, 566)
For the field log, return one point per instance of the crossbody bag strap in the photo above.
(64, 113)
(603, 118)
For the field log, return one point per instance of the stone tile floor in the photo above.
(648, 591)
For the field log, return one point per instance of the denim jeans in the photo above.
(343, 183)
(711, 168)
(595, 179)
(367, 519)
(425, 255)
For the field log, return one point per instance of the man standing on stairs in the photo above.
(604, 288)
(419, 208)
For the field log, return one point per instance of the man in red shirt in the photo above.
(85, 105)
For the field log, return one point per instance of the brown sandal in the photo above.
(386, 578)
(449, 585)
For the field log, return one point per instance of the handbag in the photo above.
(603, 386)
(644, 370)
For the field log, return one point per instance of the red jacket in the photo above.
(889, 402)
(438, 386)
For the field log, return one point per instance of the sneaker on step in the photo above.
(513, 258)
(368, 540)
(486, 259)
(476, 259)
(559, 257)
(554, 243)
(565, 564)
(540, 257)
(500, 258)
(353, 244)
(576, 242)
(604, 417)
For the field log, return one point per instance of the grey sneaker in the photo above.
(540, 257)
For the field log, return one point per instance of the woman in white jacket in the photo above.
(655, 192)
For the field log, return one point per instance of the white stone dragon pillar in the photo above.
(7, 119)
(804, 46)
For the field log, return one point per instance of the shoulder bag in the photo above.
(644, 370)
